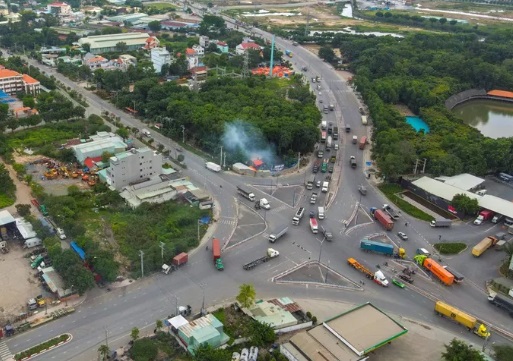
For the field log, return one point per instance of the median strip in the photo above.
(43, 347)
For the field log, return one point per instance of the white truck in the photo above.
(320, 213)
(146, 132)
(380, 279)
(297, 217)
(278, 233)
(213, 167)
(325, 186)
(324, 124)
(262, 203)
(243, 191)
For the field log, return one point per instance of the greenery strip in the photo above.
(43, 347)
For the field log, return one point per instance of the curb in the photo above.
(70, 337)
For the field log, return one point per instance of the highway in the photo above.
(140, 304)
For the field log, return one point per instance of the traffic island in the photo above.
(43, 347)
(316, 274)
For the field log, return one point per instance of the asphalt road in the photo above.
(140, 304)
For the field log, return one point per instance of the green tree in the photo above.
(503, 352)
(247, 295)
(123, 133)
(121, 46)
(23, 209)
(262, 334)
(104, 352)
(212, 26)
(28, 101)
(106, 156)
(459, 351)
(327, 54)
(465, 204)
(159, 325)
(154, 25)
(134, 334)
(144, 350)
(86, 47)
(207, 353)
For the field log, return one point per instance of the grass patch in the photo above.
(41, 347)
(450, 247)
(160, 6)
(391, 190)
(5, 201)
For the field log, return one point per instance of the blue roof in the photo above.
(80, 251)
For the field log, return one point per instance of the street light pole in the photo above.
(183, 134)
(198, 230)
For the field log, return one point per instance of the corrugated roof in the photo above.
(496, 204)
(442, 190)
(6, 218)
(25, 228)
(464, 181)
(501, 93)
(287, 306)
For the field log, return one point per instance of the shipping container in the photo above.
(216, 249)
(439, 272)
(363, 141)
(455, 315)
(378, 247)
(482, 246)
(180, 259)
(384, 219)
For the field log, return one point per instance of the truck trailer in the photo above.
(441, 222)
(176, 262)
(297, 217)
(502, 302)
(444, 276)
(216, 254)
(464, 319)
(382, 218)
(383, 248)
(359, 267)
(271, 253)
(243, 191)
(482, 246)
(278, 233)
(213, 167)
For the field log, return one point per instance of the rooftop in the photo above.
(25, 228)
(272, 314)
(7, 73)
(463, 181)
(501, 93)
(6, 218)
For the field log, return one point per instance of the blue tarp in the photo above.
(80, 251)
(205, 219)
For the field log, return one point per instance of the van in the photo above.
(423, 252)
(320, 213)
(497, 218)
(508, 221)
(481, 192)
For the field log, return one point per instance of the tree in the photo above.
(104, 352)
(159, 325)
(106, 156)
(465, 204)
(28, 101)
(155, 25)
(459, 351)
(207, 353)
(86, 47)
(503, 352)
(144, 350)
(262, 334)
(134, 334)
(123, 133)
(212, 25)
(121, 46)
(23, 209)
(247, 295)
(327, 54)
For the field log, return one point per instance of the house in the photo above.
(199, 73)
(192, 58)
(199, 50)
(204, 41)
(160, 57)
(151, 42)
(95, 62)
(12, 82)
(222, 47)
(246, 45)
(58, 8)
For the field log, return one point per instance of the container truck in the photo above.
(243, 191)
(213, 167)
(176, 262)
(278, 233)
(314, 226)
(446, 277)
(310, 182)
(482, 246)
(383, 248)
(297, 217)
(391, 212)
(441, 222)
(216, 254)
(483, 216)
(462, 318)
(382, 218)
(502, 302)
(380, 279)
(363, 142)
(364, 120)
(271, 253)
(359, 267)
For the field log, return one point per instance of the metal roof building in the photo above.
(350, 336)
(206, 329)
(463, 181)
(6, 218)
(102, 142)
(107, 43)
(25, 228)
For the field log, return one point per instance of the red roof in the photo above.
(250, 46)
(500, 93)
(221, 43)
(190, 51)
(198, 69)
(58, 4)
(90, 162)
(7, 73)
(29, 80)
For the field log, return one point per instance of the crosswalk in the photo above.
(228, 221)
(5, 354)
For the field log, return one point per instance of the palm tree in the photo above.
(246, 295)
(104, 352)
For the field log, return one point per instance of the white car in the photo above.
(60, 233)
(402, 235)
(335, 146)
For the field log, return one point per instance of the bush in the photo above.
(450, 247)
(309, 315)
(314, 320)
(144, 350)
(41, 347)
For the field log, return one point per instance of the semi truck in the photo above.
(262, 203)
(482, 246)
(177, 261)
(216, 254)
(380, 279)
(502, 302)
(444, 276)
(297, 217)
(483, 216)
(243, 191)
(314, 226)
(382, 218)
(377, 277)
(213, 167)
(462, 318)
(363, 142)
(458, 277)
(391, 212)
(278, 233)
(310, 182)
(383, 248)
(271, 253)
(441, 222)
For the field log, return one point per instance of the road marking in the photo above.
(5, 354)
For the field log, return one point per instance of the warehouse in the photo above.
(350, 336)
(107, 43)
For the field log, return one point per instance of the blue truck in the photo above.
(383, 248)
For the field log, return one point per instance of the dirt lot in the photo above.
(19, 286)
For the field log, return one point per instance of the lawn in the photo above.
(450, 247)
(160, 6)
(391, 191)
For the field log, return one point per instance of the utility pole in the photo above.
(198, 230)
(141, 253)
(183, 134)
(416, 165)
(298, 160)
(221, 163)
(424, 166)
(307, 22)
(162, 244)
(224, 160)
(106, 336)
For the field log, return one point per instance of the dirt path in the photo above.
(23, 192)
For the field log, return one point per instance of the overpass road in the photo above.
(141, 303)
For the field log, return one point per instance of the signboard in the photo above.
(278, 168)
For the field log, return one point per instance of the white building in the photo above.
(204, 41)
(245, 46)
(159, 57)
(58, 8)
(105, 43)
(12, 82)
(199, 50)
(98, 144)
(133, 166)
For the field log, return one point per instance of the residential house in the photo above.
(245, 46)
(192, 58)
(199, 73)
(151, 43)
(222, 47)
(160, 57)
(204, 41)
(59, 9)
(199, 50)
(95, 61)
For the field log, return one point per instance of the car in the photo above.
(406, 278)
(318, 184)
(312, 214)
(330, 169)
(61, 234)
(398, 283)
(402, 235)
(320, 100)
(335, 146)
(320, 93)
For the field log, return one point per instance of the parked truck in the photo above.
(216, 254)
(278, 233)
(383, 248)
(243, 191)
(213, 167)
(483, 216)
(297, 217)
(314, 226)
(271, 253)
(444, 276)
(382, 218)
(502, 302)
(176, 262)
(482, 246)
(441, 222)
(464, 319)
(310, 182)
(391, 212)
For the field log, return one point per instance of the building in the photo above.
(55, 282)
(58, 8)
(204, 330)
(199, 50)
(106, 43)
(127, 18)
(151, 43)
(351, 336)
(245, 46)
(132, 167)
(97, 145)
(204, 41)
(275, 312)
(95, 61)
(12, 82)
(199, 73)
(160, 57)
(222, 47)
(176, 25)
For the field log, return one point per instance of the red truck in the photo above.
(382, 218)
(483, 216)
(180, 259)
(216, 254)
(363, 141)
